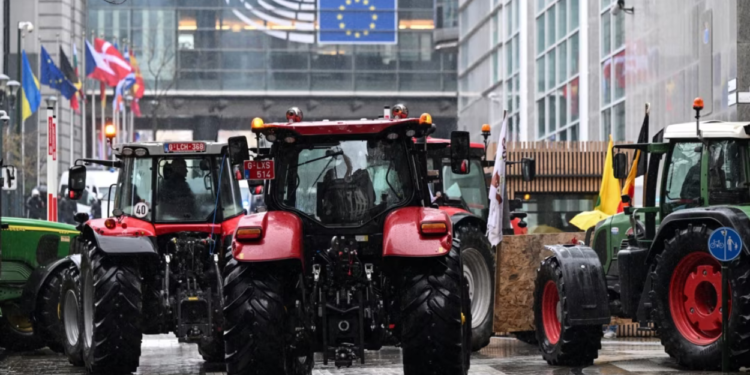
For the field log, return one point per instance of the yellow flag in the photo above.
(609, 196)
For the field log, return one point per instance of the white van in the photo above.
(98, 183)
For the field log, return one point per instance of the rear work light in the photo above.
(434, 228)
(249, 234)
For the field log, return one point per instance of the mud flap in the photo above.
(588, 302)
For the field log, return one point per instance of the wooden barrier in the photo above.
(565, 167)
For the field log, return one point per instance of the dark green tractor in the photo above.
(651, 264)
(29, 282)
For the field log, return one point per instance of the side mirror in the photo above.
(76, 181)
(460, 152)
(238, 150)
(528, 169)
(620, 165)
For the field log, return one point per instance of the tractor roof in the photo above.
(174, 148)
(710, 129)
(347, 127)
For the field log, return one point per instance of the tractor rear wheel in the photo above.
(435, 317)
(258, 321)
(46, 322)
(479, 271)
(70, 315)
(16, 332)
(687, 301)
(212, 349)
(112, 303)
(559, 342)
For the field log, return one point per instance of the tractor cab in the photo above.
(465, 191)
(172, 182)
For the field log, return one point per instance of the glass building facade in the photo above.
(271, 46)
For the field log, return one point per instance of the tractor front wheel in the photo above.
(559, 342)
(212, 348)
(46, 322)
(259, 321)
(435, 316)
(687, 302)
(70, 315)
(112, 305)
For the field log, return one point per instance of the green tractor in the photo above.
(31, 253)
(652, 264)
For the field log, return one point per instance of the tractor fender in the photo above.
(402, 235)
(712, 217)
(281, 238)
(120, 245)
(40, 276)
(587, 300)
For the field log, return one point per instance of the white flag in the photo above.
(497, 187)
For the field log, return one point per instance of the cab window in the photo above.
(727, 177)
(683, 188)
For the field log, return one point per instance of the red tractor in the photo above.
(350, 255)
(463, 197)
(155, 266)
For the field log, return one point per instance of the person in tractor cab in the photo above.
(175, 194)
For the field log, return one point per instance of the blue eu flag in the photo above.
(357, 21)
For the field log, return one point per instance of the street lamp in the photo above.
(11, 92)
(3, 84)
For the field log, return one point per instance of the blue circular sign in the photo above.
(725, 244)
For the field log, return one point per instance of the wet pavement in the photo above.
(163, 355)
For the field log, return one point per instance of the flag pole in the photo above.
(39, 136)
(83, 99)
(94, 150)
(103, 93)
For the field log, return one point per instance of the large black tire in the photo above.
(434, 325)
(153, 307)
(112, 303)
(478, 260)
(559, 342)
(70, 315)
(45, 318)
(16, 332)
(212, 349)
(256, 337)
(690, 245)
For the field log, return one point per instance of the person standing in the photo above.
(35, 205)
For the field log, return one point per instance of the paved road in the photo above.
(164, 356)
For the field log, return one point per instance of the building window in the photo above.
(511, 48)
(557, 62)
(612, 71)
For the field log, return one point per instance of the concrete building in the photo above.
(570, 70)
(212, 65)
(56, 24)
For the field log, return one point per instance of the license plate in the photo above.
(259, 170)
(185, 147)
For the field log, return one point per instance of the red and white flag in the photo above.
(105, 63)
(497, 189)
